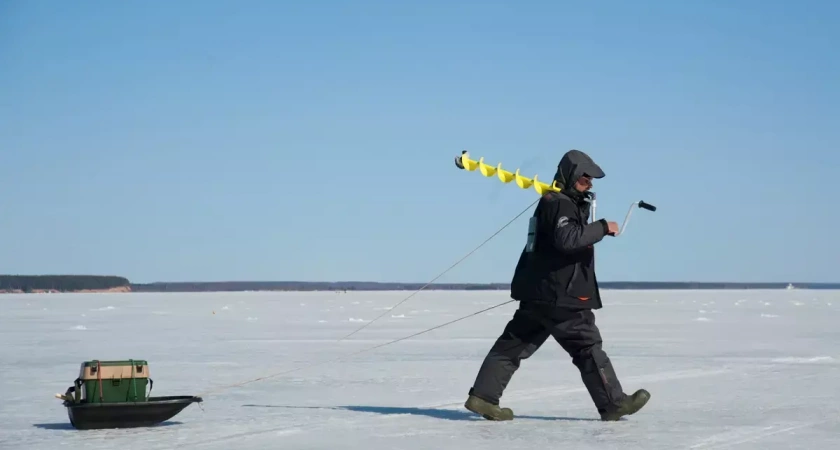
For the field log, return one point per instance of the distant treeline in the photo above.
(61, 283)
(74, 283)
(230, 286)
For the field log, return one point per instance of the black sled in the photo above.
(112, 394)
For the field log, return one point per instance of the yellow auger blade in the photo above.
(523, 182)
(486, 170)
(542, 188)
(504, 175)
(464, 162)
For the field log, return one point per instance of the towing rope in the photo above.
(314, 364)
(444, 272)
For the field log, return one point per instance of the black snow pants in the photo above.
(529, 328)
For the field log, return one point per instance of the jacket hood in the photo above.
(573, 165)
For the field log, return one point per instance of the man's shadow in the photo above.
(435, 413)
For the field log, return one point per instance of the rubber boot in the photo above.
(488, 410)
(630, 405)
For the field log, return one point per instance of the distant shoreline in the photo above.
(294, 286)
(110, 284)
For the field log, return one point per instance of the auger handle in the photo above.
(646, 206)
(640, 204)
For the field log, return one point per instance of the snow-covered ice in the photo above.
(726, 369)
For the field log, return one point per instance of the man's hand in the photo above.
(613, 228)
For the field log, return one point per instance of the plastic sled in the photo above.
(94, 416)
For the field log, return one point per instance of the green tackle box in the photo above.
(113, 381)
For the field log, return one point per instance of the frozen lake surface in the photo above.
(726, 369)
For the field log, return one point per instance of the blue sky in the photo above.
(274, 140)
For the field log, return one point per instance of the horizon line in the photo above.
(487, 283)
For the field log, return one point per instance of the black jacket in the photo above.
(557, 266)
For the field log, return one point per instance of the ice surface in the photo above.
(728, 369)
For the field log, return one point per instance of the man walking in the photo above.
(555, 283)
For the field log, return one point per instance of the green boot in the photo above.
(630, 405)
(488, 410)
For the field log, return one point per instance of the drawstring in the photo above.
(133, 380)
(99, 379)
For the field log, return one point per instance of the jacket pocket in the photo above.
(573, 279)
(579, 285)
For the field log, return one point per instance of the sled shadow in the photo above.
(435, 413)
(61, 426)
(54, 426)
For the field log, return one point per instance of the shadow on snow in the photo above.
(435, 413)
